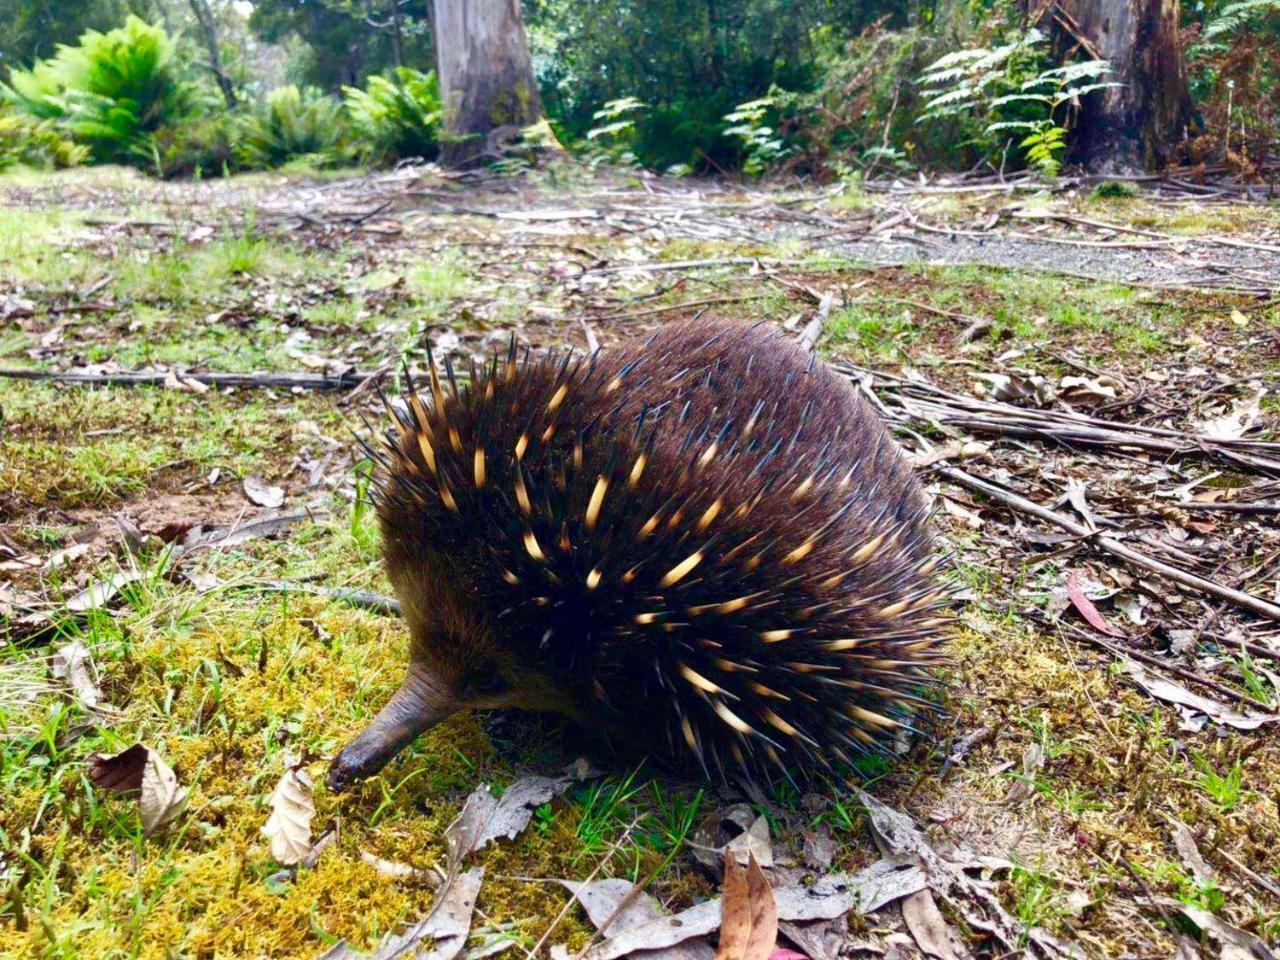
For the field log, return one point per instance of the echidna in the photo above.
(707, 542)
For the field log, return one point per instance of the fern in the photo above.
(293, 124)
(397, 117)
(112, 91)
(1235, 16)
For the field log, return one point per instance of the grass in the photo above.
(227, 682)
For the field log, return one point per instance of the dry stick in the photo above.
(555, 922)
(1114, 547)
(813, 329)
(306, 381)
(1229, 507)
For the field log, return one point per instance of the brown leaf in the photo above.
(933, 935)
(749, 914)
(289, 826)
(442, 934)
(140, 771)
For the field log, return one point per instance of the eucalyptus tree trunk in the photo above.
(205, 18)
(1138, 124)
(486, 77)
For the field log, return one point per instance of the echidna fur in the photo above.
(706, 542)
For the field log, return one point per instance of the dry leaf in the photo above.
(443, 933)
(262, 493)
(1025, 785)
(933, 935)
(98, 593)
(749, 917)
(601, 899)
(140, 772)
(484, 818)
(289, 826)
(1175, 693)
(830, 897)
(1238, 420)
(73, 665)
(1189, 852)
(1086, 609)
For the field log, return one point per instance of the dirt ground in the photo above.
(1082, 378)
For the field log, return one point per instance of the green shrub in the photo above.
(112, 91)
(36, 143)
(201, 147)
(396, 117)
(293, 124)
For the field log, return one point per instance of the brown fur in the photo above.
(790, 553)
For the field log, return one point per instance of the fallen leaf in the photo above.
(289, 826)
(485, 818)
(1234, 943)
(749, 914)
(601, 899)
(442, 934)
(98, 593)
(1237, 421)
(262, 493)
(176, 381)
(140, 772)
(1025, 786)
(72, 663)
(1086, 609)
(832, 896)
(1086, 391)
(1175, 693)
(931, 932)
(1189, 852)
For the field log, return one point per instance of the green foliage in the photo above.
(36, 143)
(1113, 190)
(761, 146)
(396, 117)
(31, 30)
(1241, 15)
(1003, 85)
(112, 91)
(613, 138)
(293, 124)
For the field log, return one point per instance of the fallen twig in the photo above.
(1109, 545)
(306, 381)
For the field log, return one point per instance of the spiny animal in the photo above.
(707, 542)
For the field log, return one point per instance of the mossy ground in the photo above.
(226, 681)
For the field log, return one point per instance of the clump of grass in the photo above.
(1113, 190)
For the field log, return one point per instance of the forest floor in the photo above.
(1081, 380)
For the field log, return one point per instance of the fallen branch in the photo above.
(1109, 545)
(157, 378)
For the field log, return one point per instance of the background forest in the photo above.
(205, 87)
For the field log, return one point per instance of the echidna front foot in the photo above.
(419, 704)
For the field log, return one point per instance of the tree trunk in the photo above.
(205, 19)
(486, 77)
(397, 33)
(1138, 124)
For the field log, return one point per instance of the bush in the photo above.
(112, 91)
(396, 117)
(293, 124)
(36, 143)
(861, 115)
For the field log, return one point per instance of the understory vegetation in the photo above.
(744, 88)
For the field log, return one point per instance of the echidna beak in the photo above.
(419, 704)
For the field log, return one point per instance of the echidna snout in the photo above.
(707, 541)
